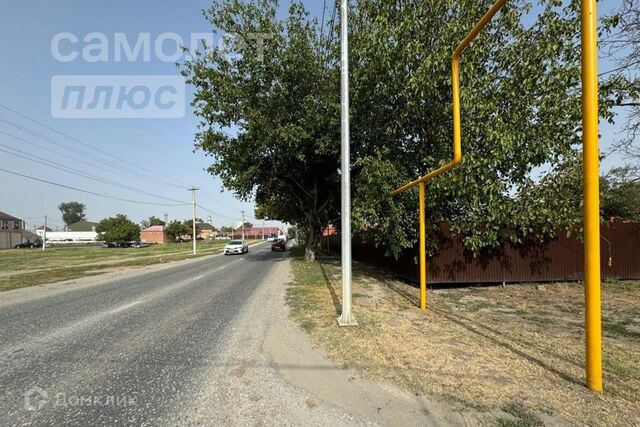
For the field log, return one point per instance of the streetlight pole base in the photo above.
(347, 321)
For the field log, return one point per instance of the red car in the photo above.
(278, 245)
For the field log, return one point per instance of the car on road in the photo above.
(236, 247)
(27, 245)
(279, 245)
(139, 245)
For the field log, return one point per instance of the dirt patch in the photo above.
(515, 353)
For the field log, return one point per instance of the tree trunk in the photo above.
(313, 238)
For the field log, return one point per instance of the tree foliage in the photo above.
(520, 98)
(153, 220)
(621, 195)
(175, 229)
(118, 229)
(270, 122)
(226, 231)
(72, 212)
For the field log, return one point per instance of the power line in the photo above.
(84, 154)
(87, 191)
(81, 142)
(101, 162)
(80, 173)
(59, 166)
(214, 212)
(83, 159)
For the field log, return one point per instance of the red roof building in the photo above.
(154, 234)
(256, 232)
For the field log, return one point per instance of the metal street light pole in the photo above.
(44, 234)
(346, 317)
(193, 220)
(243, 225)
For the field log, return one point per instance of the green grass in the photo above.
(618, 328)
(520, 417)
(35, 267)
(28, 259)
(462, 404)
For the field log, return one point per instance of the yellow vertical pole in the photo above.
(423, 249)
(593, 327)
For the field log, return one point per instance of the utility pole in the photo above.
(166, 218)
(44, 233)
(242, 225)
(193, 221)
(346, 317)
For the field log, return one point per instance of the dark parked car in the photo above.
(27, 245)
(278, 245)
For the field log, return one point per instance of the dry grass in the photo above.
(514, 353)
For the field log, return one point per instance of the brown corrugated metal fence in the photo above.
(556, 260)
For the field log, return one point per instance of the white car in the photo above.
(236, 247)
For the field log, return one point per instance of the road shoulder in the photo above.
(267, 372)
(307, 367)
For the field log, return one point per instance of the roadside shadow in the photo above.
(503, 341)
(406, 295)
(334, 296)
(474, 327)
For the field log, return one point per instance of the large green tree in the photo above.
(72, 212)
(520, 99)
(269, 117)
(271, 122)
(175, 229)
(118, 229)
(153, 220)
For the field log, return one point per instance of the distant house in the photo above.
(11, 231)
(256, 232)
(206, 231)
(154, 234)
(83, 226)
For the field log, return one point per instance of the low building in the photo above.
(206, 231)
(154, 234)
(256, 232)
(70, 236)
(11, 231)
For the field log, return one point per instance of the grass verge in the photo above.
(22, 268)
(514, 354)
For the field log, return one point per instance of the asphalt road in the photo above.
(122, 352)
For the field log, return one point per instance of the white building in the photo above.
(69, 236)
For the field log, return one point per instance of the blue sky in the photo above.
(163, 145)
